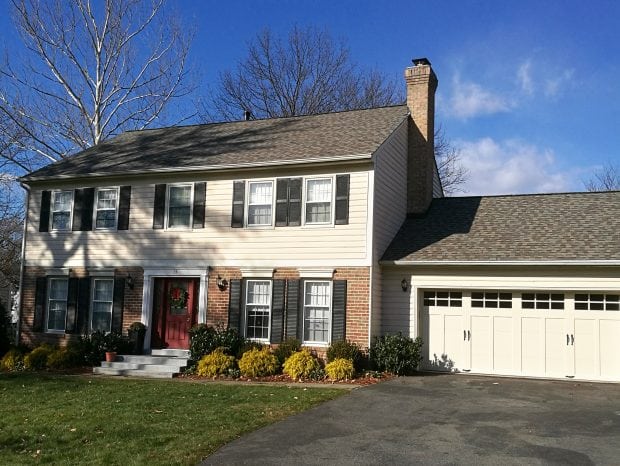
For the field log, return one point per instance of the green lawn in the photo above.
(50, 419)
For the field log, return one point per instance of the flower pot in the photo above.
(110, 356)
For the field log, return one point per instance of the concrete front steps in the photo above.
(160, 364)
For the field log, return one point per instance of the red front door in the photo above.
(178, 311)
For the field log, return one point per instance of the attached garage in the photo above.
(510, 285)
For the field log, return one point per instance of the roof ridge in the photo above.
(493, 196)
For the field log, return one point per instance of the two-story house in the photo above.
(321, 228)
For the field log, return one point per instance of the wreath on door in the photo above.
(178, 297)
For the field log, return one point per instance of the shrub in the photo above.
(286, 348)
(396, 354)
(205, 339)
(6, 336)
(64, 358)
(13, 360)
(258, 363)
(343, 349)
(340, 368)
(215, 363)
(92, 348)
(37, 358)
(301, 365)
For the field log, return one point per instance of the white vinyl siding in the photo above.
(57, 304)
(102, 302)
(258, 310)
(106, 208)
(319, 201)
(260, 203)
(179, 211)
(317, 312)
(62, 202)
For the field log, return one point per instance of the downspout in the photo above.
(20, 297)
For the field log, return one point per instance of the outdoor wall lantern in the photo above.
(404, 285)
(130, 282)
(222, 283)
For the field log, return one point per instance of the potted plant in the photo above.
(114, 342)
(136, 332)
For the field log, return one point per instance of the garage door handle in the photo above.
(572, 339)
(464, 335)
(468, 335)
(567, 339)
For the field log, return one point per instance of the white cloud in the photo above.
(512, 167)
(470, 100)
(554, 85)
(524, 78)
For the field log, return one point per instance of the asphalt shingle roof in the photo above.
(246, 143)
(539, 227)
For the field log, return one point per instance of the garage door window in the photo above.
(597, 302)
(491, 299)
(542, 301)
(443, 298)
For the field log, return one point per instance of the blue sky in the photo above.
(529, 90)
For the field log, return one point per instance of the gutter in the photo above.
(22, 265)
(611, 262)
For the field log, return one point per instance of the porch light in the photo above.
(222, 283)
(404, 285)
(130, 282)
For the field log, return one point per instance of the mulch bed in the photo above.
(285, 379)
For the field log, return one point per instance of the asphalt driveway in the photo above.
(445, 419)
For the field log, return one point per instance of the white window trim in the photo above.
(331, 315)
(274, 183)
(245, 310)
(92, 301)
(332, 212)
(589, 301)
(191, 206)
(70, 226)
(95, 210)
(47, 305)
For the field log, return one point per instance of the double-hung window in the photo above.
(57, 304)
(180, 206)
(317, 311)
(106, 208)
(102, 301)
(257, 309)
(318, 201)
(61, 210)
(260, 203)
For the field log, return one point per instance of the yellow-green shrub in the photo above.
(215, 363)
(340, 369)
(258, 363)
(37, 358)
(12, 361)
(63, 358)
(301, 365)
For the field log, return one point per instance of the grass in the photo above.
(53, 419)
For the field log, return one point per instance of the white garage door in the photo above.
(539, 334)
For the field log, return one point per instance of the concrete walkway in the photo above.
(445, 419)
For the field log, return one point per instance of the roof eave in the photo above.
(611, 262)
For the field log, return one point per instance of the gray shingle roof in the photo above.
(246, 143)
(540, 227)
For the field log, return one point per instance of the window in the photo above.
(597, 302)
(317, 311)
(61, 210)
(491, 299)
(179, 206)
(443, 298)
(106, 205)
(318, 201)
(57, 304)
(542, 301)
(260, 202)
(103, 296)
(257, 309)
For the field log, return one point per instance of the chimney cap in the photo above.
(421, 61)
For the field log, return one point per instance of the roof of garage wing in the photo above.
(327, 137)
(538, 228)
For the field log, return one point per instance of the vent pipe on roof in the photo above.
(247, 115)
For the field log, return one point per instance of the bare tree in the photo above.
(91, 70)
(605, 179)
(11, 221)
(448, 158)
(306, 74)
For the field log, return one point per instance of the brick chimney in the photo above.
(421, 86)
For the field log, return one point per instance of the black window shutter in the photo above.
(342, 199)
(159, 206)
(44, 220)
(292, 309)
(88, 199)
(277, 311)
(339, 306)
(83, 305)
(124, 204)
(117, 305)
(72, 306)
(282, 202)
(234, 305)
(40, 296)
(294, 202)
(78, 200)
(200, 192)
(237, 204)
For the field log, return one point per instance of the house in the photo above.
(321, 227)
